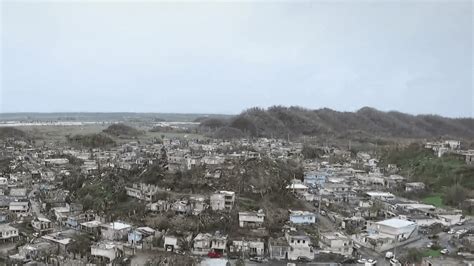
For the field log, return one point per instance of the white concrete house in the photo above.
(395, 228)
(107, 251)
(336, 243)
(302, 217)
(115, 231)
(251, 219)
(300, 246)
(223, 200)
(8, 232)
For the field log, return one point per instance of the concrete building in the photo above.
(278, 248)
(8, 233)
(248, 247)
(223, 200)
(115, 231)
(300, 246)
(251, 219)
(336, 243)
(42, 225)
(142, 191)
(394, 228)
(302, 217)
(414, 186)
(19, 207)
(107, 252)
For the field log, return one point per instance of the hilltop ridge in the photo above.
(280, 121)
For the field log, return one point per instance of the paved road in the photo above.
(35, 206)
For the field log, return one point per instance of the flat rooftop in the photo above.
(396, 223)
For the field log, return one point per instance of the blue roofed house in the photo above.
(302, 217)
(315, 178)
(141, 237)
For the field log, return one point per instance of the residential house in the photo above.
(19, 207)
(159, 206)
(315, 178)
(61, 239)
(8, 233)
(174, 241)
(470, 157)
(388, 234)
(248, 247)
(182, 207)
(171, 243)
(393, 228)
(141, 237)
(19, 193)
(223, 200)
(278, 248)
(251, 219)
(383, 196)
(202, 244)
(300, 246)
(394, 181)
(414, 186)
(198, 204)
(302, 217)
(297, 187)
(336, 243)
(106, 252)
(61, 213)
(115, 231)
(219, 243)
(42, 225)
(91, 227)
(143, 191)
(34, 251)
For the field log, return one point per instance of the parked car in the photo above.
(257, 259)
(389, 255)
(394, 262)
(367, 262)
(214, 255)
(304, 259)
(445, 251)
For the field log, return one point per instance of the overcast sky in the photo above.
(411, 56)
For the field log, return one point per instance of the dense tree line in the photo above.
(281, 121)
(91, 140)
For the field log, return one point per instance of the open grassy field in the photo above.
(432, 253)
(435, 200)
(57, 134)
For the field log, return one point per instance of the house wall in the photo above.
(111, 254)
(297, 251)
(201, 247)
(278, 252)
(250, 220)
(403, 232)
(303, 219)
(8, 233)
(339, 245)
(171, 241)
(217, 202)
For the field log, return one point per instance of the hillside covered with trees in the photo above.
(122, 130)
(11, 132)
(281, 121)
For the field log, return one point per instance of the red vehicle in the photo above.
(214, 255)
